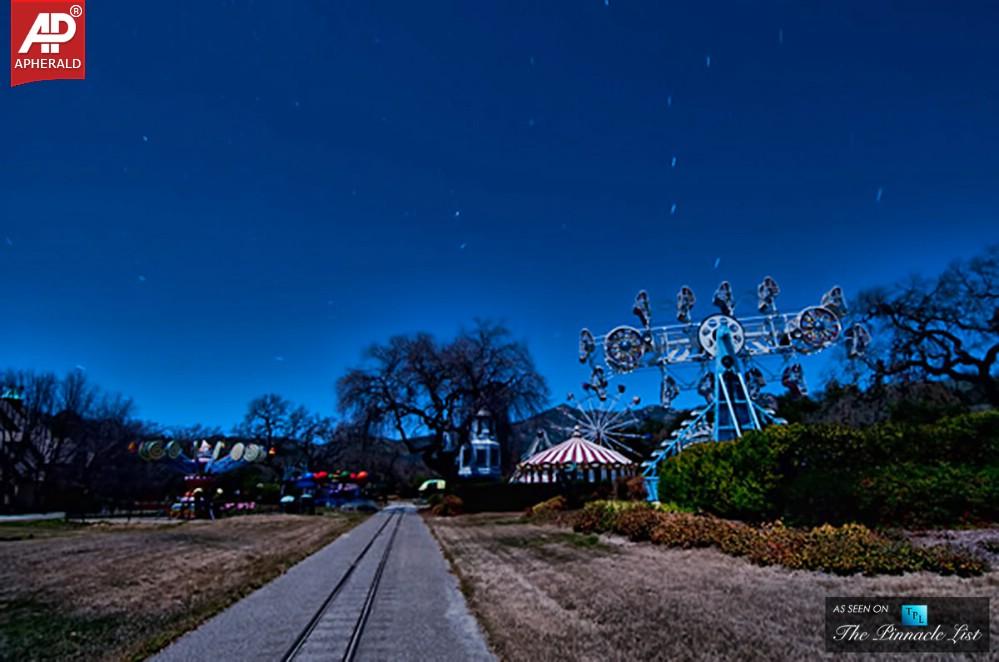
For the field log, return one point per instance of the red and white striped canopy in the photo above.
(579, 451)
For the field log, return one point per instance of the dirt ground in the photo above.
(546, 593)
(113, 591)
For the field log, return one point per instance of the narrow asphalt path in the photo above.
(414, 612)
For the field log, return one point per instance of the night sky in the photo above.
(243, 195)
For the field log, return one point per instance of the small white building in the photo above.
(480, 456)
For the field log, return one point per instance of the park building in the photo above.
(479, 457)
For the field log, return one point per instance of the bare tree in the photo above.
(309, 435)
(425, 393)
(64, 432)
(298, 435)
(946, 328)
(76, 394)
(266, 419)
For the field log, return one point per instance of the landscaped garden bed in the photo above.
(845, 549)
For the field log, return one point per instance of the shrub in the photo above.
(599, 516)
(634, 488)
(680, 531)
(952, 561)
(637, 523)
(844, 550)
(547, 510)
(944, 473)
(854, 548)
(734, 538)
(670, 507)
(449, 506)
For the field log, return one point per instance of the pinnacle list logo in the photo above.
(47, 40)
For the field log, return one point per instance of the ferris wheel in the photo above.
(724, 357)
(602, 418)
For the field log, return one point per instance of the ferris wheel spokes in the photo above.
(608, 421)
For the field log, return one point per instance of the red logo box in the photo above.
(47, 41)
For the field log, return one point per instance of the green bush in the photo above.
(944, 473)
(548, 510)
(599, 516)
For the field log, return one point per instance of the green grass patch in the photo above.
(32, 630)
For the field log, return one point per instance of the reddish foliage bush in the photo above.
(774, 544)
(684, 530)
(637, 523)
(634, 488)
(847, 549)
(449, 506)
(952, 561)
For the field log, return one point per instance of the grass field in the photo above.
(547, 593)
(122, 591)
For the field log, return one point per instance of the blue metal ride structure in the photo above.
(728, 353)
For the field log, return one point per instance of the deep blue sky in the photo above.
(243, 195)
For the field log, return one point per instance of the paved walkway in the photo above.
(417, 613)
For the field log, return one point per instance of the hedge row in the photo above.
(843, 550)
(891, 474)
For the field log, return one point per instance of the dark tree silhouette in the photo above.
(63, 437)
(266, 419)
(300, 437)
(946, 328)
(424, 392)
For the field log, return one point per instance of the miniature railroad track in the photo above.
(337, 627)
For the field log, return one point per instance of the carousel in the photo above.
(576, 459)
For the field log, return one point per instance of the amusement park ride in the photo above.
(201, 463)
(728, 356)
(202, 458)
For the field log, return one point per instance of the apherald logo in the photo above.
(48, 31)
(47, 41)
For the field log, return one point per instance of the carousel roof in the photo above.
(576, 450)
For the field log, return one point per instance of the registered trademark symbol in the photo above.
(76, 11)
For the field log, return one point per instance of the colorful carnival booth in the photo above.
(575, 459)
(304, 491)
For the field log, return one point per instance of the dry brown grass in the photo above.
(120, 591)
(545, 593)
